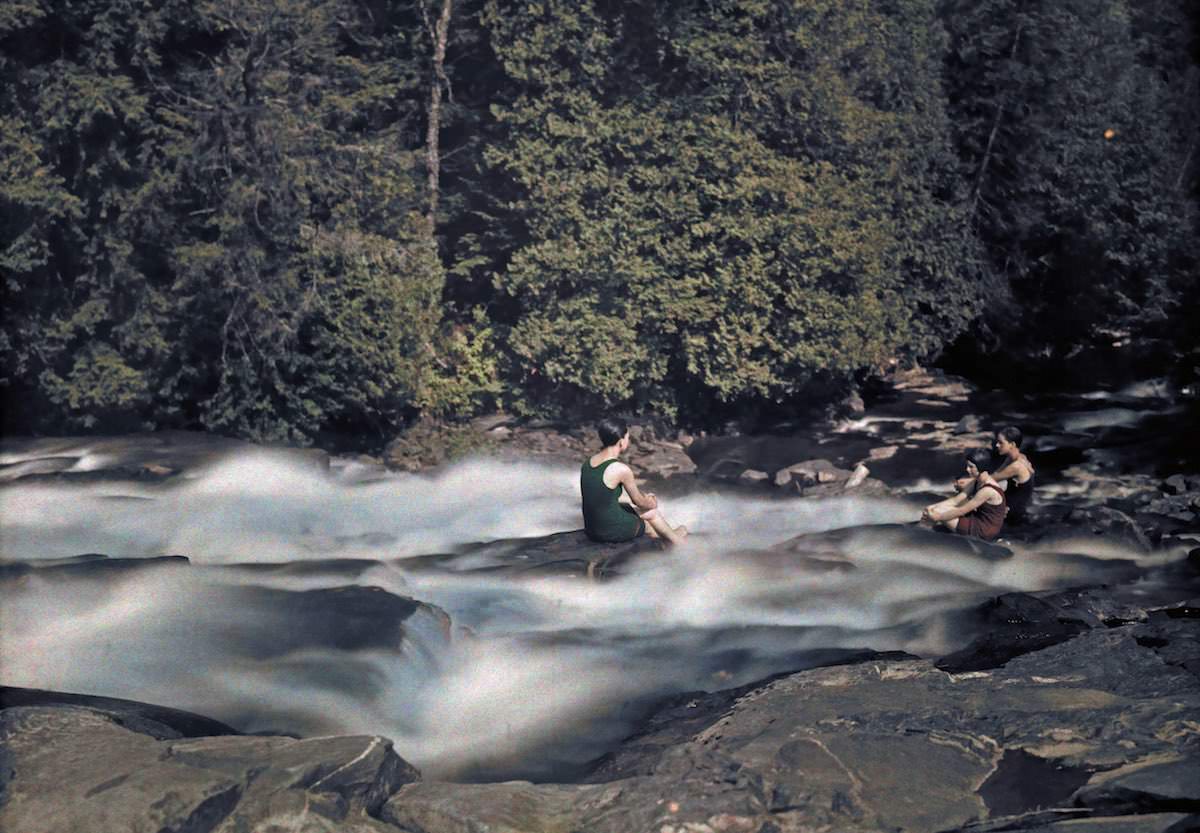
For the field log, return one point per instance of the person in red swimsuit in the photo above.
(977, 510)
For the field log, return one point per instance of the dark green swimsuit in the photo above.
(604, 519)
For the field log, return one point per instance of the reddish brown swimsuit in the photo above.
(986, 520)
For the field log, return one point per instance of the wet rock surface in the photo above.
(73, 768)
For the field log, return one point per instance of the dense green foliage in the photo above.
(214, 214)
(1075, 120)
(717, 201)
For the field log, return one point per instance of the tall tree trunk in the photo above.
(438, 33)
(987, 151)
(1193, 74)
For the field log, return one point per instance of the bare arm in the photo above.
(642, 500)
(956, 500)
(978, 499)
(1013, 469)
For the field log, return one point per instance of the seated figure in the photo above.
(603, 480)
(1015, 472)
(978, 509)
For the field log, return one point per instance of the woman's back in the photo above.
(604, 517)
(1019, 495)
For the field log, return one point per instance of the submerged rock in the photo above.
(88, 566)
(563, 553)
(157, 721)
(153, 456)
(899, 541)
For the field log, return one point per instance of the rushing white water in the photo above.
(533, 674)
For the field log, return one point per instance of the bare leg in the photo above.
(950, 502)
(658, 527)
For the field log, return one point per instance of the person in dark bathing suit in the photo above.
(602, 481)
(979, 509)
(1016, 469)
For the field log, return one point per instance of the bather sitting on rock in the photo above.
(978, 509)
(602, 481)
(1016, 469)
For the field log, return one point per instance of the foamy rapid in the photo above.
(532, 676)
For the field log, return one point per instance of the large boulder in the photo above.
(650, 456)
(1112, 523)
(1015, 624)
(1155, 782)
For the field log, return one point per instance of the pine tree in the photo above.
(718, 202)
(238, 240)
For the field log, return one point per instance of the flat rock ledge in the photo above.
(1098, 732)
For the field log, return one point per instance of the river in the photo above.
(532, 676)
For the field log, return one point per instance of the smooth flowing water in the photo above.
(532, 677)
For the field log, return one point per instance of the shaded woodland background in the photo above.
(301, 220)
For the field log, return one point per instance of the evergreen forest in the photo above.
(290, 220)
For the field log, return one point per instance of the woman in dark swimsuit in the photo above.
(979, 509)
(602, 481)
(1017, 470)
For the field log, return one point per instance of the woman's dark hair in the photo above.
(981, 458)
(611, 429)
(1011, 433)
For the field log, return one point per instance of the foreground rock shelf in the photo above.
(1098, 732)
